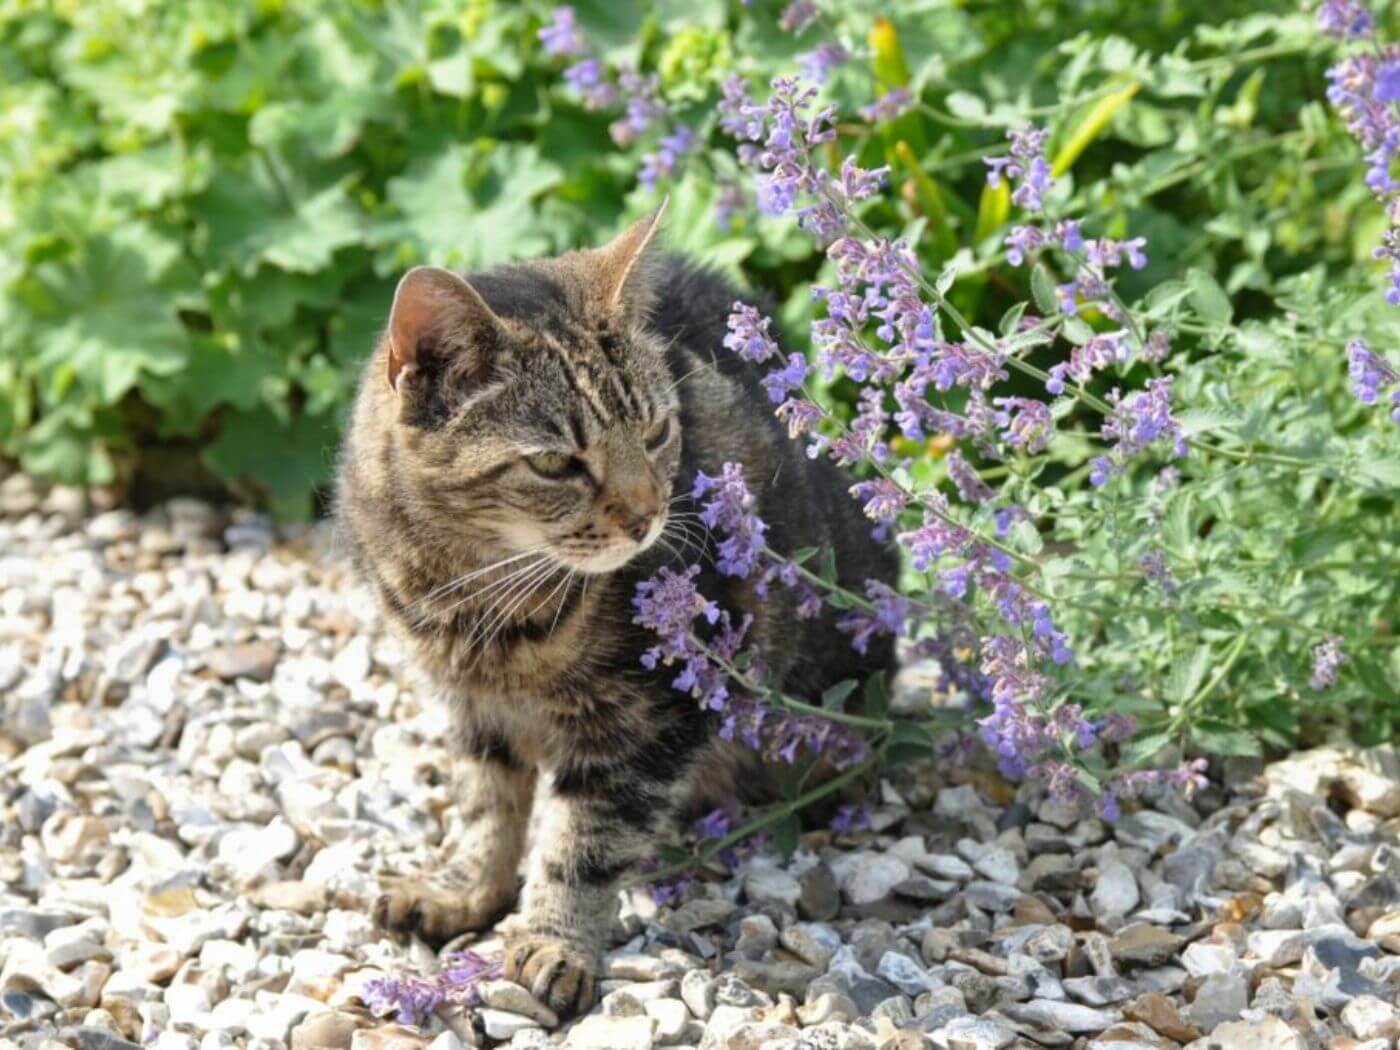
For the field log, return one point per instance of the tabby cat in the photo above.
(522, 453)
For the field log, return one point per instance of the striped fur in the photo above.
(538, 656)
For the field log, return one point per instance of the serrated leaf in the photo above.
(1188, 673)
(907, 742)
(1221, 738)
(1140, 752)
(834, 699)
(1208, 299)
(1043, 290)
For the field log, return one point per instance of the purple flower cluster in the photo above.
(561, 37)
(1017, 731)
(639, 94)
(671, 605)
(661, 162)
(1345, 18)
(781, 736)
(1371, 375)
(851, 816)
(819, 63)
(1327, 658)
(1139, 420)
(1024, 166)
(889, 613)
(798, 15)
(413, 999)
(888, 106)
(729, 511)
(1364, 87)
(776, 142)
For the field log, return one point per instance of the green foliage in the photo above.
(206, 203)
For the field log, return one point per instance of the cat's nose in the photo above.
(632, 517)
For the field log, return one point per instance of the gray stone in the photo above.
(1116, 892)
(1221, 997)
(1100, 991)
(1064, 1017)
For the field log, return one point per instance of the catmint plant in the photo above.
(1079, 491)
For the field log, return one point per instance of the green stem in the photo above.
(767, 819)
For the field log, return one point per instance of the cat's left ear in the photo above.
(623, 267)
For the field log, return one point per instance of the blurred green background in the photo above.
(205, 203)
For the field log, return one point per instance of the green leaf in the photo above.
(1208, 299)
(282, 463)
(1141, 751)
(1188, 674)
(1043, 290)
(907, 742)
(834, 699)
(455, 205)
(1221, 738)
(787, 834)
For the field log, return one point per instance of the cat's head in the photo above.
(534, 409)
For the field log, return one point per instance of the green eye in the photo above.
(659, 434)
(553, 464)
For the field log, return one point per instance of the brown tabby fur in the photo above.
(612, 356)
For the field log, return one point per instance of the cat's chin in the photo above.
(606, 561)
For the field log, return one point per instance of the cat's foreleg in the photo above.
(479, 880)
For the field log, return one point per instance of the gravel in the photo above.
(211, 753)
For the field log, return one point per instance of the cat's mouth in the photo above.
(612, 554)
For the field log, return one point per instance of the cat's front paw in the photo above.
(435, 909)
(558, 973)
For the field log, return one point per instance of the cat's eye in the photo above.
(554, 464)
(659, 434)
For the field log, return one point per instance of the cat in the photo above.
(520, 455)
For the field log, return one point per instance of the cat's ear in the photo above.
(435, 311)
(623, 266)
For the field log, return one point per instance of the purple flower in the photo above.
(561, 36)
(889, 613)
(798, 15)
(1139, 420)
(883, 499)
(716, 824)
(1345, 18)
(661, 162)
(1025, 165)
(1023, 241)
(413, 999)
(728, 509)
(851, 816)
(888, 106)
(1369, 372)
(778, 381)
(1154, 567)
(588, 77)
(643, 106)
(1327, 657)
(728, 201)
(1025, 423)
(748, 333)
(969, 484)
(818, 63)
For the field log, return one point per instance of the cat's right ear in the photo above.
(434, 312)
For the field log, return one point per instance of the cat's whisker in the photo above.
(505, 582)
(452, 585)
(494, 620)
(503, 618)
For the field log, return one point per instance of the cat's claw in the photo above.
(434, 910)
(564, 976)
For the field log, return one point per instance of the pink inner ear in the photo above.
(429, 303)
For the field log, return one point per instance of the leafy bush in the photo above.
(205, 204)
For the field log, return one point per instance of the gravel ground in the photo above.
(211, 752)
